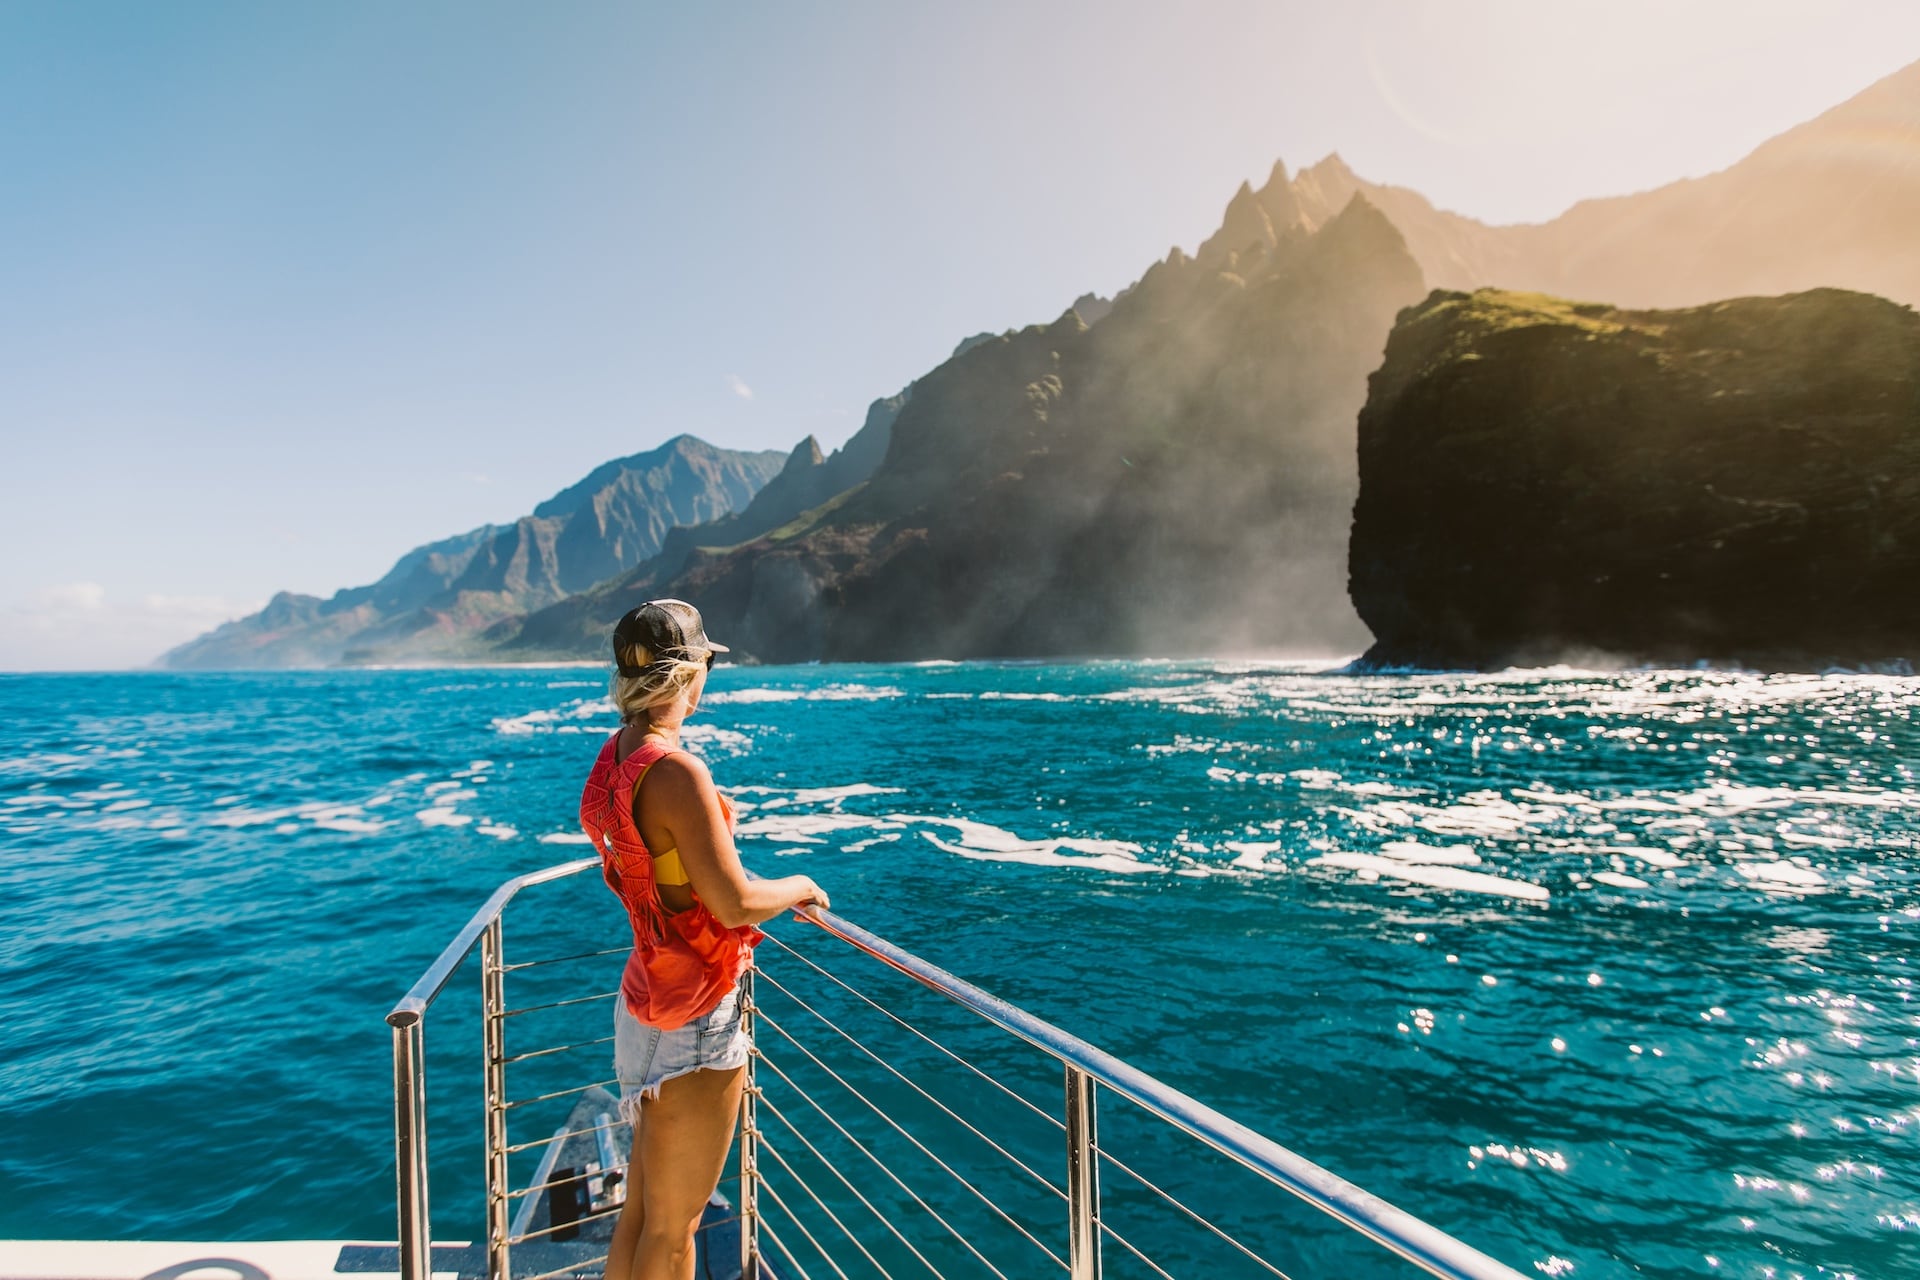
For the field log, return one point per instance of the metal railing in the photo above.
(767, 1161)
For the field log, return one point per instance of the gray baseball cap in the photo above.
(664, 628)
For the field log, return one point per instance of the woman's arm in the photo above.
(680, 797)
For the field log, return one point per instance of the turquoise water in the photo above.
(1608, 974)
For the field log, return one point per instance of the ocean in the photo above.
(1606, 973)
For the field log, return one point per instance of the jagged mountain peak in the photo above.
(1328, 166)
(1246, 225)
(574, 497)
(805, 455)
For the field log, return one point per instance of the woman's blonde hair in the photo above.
(662, 679)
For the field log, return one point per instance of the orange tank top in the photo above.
(683, 962)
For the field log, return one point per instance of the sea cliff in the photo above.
(1544, 480)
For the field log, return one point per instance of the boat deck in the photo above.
(587, 1144)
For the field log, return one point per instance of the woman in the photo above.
(666, 846)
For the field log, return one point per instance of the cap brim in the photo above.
(718, 648)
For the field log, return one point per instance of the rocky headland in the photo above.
(1545, 481)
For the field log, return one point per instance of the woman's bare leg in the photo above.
(626, 1227)
(681, 1150)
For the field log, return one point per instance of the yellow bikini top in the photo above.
(666, 866)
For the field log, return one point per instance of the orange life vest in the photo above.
(683, 962)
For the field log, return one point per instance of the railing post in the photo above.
(494, 1039)
(749, 1145)
(1083, 1179)
(410, 1146)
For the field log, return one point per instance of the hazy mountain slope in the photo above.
(1175, 478)
(437, 597)
(1832, 202)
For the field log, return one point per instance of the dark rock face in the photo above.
(434, 602)
(1543, 480)
(1174, 479)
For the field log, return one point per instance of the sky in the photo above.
(287, 290)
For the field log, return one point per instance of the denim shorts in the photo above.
(645, 1057)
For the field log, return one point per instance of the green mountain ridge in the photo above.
(438, 597)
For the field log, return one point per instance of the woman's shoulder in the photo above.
(682, 769)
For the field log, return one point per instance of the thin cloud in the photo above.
(739, 387)
(72, 597)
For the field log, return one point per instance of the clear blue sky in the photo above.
(285, 290)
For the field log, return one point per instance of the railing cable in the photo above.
(562, 1133)
(557, 1093)
(559, 1048)
(782, 1244)
(835, 1170)
(1177, 1203)
(559, 1004)
(562, 1226)
(584, 955)
(818, 1247)
(760, 1015)
(845, 1230)
(1132, 1249)
(1041, 1178)
(620, 1169)
(1053, 1120)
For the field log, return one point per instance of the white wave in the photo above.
(1046, 853)
(1252, 854)
(832, 797)
(351, 826)
(565, 837)
(1453, 855)
(703, 738)
(343, 818)
(499, 831)
(1652, 857)
(244, 817)
(997, 695)
(806, 828)
(442, 817)
(55, 764)
(1620, 880)
(825, 693)
(1788, 877)
(571, 718)
(1438, 876)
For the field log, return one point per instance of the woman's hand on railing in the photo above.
(811, 894)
